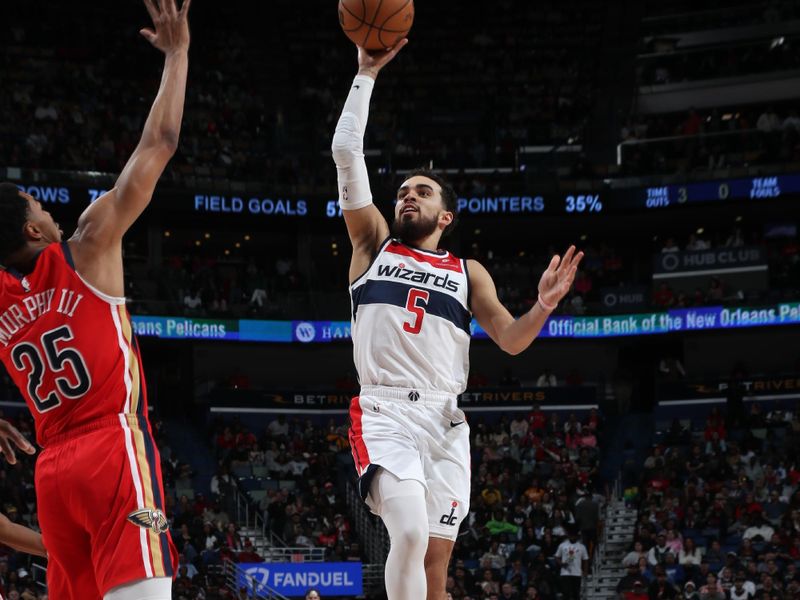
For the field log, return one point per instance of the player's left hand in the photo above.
(10, 437)
(559, 275)
(170, 31)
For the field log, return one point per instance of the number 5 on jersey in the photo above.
(415, 304)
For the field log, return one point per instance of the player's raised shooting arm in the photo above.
(21, 538)
(513, 336)
(102, 225)
(366, 226)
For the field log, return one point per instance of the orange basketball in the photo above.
(376, 24)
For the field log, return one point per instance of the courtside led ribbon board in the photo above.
(311, 332)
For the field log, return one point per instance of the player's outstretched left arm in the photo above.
(21, 538)
(513, 336)
(97, 243)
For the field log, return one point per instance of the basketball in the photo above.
(376, 24)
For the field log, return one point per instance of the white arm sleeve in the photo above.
(348, 146)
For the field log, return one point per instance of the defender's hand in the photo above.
(558, 277)
(171, 25)
(10, 437)
(370, 62)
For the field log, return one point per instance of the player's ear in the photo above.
(31, 231)
(445, 218)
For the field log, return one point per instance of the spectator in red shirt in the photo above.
(692, 124)
(536, 419)
(663, 298)
(637, 593)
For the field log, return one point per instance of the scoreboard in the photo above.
(608, 200)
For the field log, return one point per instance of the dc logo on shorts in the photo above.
(149, 518)
(451, 518)
(413, 395)
(305, 332)
(258, 577)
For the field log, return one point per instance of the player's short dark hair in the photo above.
(13, 214)
(449, 196)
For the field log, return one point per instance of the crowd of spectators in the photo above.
(716, 62)
(265, 288)
(263, 107)
(782, 256)
(676, 16)
(18, 504)
(294, 472)
(535, 481)
(711, 139)
(719, 510)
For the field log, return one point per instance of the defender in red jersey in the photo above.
(67, 342)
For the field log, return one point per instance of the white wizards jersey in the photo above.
(411, 320)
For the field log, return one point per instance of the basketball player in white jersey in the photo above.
(411, 310)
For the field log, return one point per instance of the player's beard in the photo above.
(413, 230)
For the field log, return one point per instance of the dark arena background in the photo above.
(660, 137)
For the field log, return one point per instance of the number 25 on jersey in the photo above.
(416, 303)
(70, 383)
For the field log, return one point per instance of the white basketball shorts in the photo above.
(419, 435)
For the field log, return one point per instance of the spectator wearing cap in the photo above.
(637, 592)
(690, 591)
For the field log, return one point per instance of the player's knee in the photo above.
(414, 537)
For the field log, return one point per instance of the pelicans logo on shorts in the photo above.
(149, 518)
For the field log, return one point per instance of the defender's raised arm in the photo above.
(102, 225)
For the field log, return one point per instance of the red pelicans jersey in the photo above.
(68, 347)
(411, 320)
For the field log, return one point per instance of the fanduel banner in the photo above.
(669, 264)
(295, 579)
(686, 319)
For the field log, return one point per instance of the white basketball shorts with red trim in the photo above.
(414, 434)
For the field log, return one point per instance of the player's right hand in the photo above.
(10, 437)
(171, 25)
(370, 62)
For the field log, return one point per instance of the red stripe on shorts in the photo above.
(359, 448)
